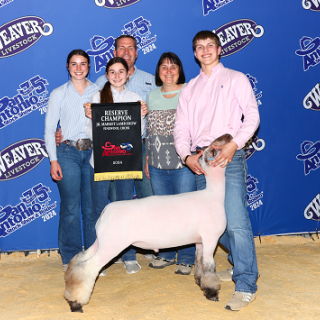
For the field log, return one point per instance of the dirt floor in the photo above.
(32, 288)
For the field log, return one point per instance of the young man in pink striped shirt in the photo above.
(211, 105)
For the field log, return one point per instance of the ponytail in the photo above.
(106, 94)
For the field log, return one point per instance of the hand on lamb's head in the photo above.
(221, 151)
(225, 149)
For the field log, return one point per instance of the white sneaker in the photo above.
(103, 273)
(118, 261)
(132, 266)
(240, 300)
(149, 256)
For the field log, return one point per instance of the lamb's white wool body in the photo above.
(157, 222)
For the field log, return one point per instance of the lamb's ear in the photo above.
(224, 139)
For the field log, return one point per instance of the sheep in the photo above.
(195, 217)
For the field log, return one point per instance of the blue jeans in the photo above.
(143, 187)
(124, 191)
(167, 182)
(238, 237)
(75, 188)
(100, 191)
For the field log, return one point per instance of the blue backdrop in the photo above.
(275, 43)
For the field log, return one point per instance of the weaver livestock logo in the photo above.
(4, 2)
(310, 156)
(312, 99)
(213, 5)
(22, 33)
(253, 145)
(34, 203)
(102, 48)
(236, 35)
(21, 157)
(112, 150)
(253, 81)
(253, 196)
(309, 51)
(31, 96)
(115, 4)
(313, 5)
(312, 211)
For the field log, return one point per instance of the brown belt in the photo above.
(80, 144)
(198, 150)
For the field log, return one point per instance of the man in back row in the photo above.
(141, 83)
(211, 105)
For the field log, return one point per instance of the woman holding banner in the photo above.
(114, 91)
(163, 166)
(69, 161)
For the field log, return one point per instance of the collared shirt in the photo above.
(212, 106)
(66, 105)
(140, 82)
(123, 96)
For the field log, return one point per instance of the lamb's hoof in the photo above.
(211, 294)
(75, 306)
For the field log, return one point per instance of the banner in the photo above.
(117, 147)
(279, 56)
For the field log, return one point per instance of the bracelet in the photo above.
(185, 160)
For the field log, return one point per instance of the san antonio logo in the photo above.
(112, 150)
(34, 203)
(253, 145)
(253, 81)
(31, 96)
(309, 51)
(253, 196)
(115, 4)
(236, 35)
(310, 156)
(213, 5)
(102, 48)
(4, 2)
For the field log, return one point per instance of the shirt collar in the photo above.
(70, 84)
(214, 71)
(117, 93)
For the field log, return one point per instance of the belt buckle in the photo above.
(80, 145)
(83, 144)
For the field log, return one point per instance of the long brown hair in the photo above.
(106, 93)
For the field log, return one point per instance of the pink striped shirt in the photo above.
(211, 106)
